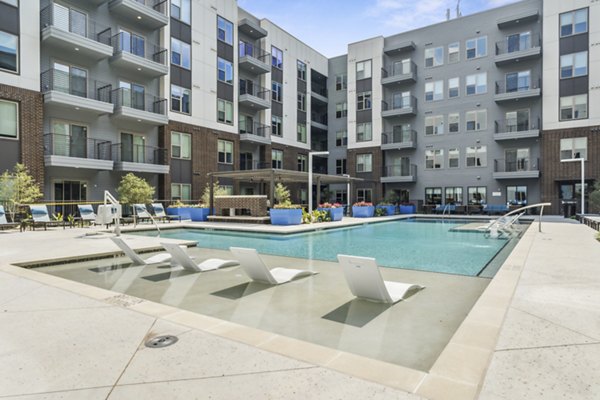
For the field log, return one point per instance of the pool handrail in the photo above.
(520, 210)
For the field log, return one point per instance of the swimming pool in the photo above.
(426, 245)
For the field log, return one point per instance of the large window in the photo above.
(301, 136)
(453, 122)
(364, 132)
(434, 125)
(180, 99)
(9, 119)
(276, 91)
(574, 22)
(476, 156)
(453, 53)
(516, 195)
(180, 53)
(341, 110)
(363, 101)
(301, 70)
(364, 195)
(433, 195)
(477, 194)
(574, 107)
(301, 101)
(181, 145)
(9, 52)
(224, 30)
(574, 65)
(518, 42)
(225, 70)
(453, 87)
(518, 81)
(476, 120)
(181, 191)
(477, 84)
(364, 162)
(453, 158)
(363, 69)
(434, 91)
(277, 159)
(225, 152)
(434, 56)
(476, 47)
(517, 121)
(224, 111)
(516, 160)
(276, 125)
(180, 9)
(341, 82)
(434, 159)
(454, 195)
(302, 163)
(341, 138)
(573, 148)
(340, 166)
(276, 57)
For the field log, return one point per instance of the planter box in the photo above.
(363, 212)
(200, 214)
(286, 216)
(408, 209)
(390, 210)
(182, 212)
(336, 213)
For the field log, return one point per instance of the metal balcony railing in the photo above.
(518, 165)
(250, 50)
(519, 84)
(318, 89)
(74, 84)
(398, 69)
(253, 89)
(508, 127)
(123, 97)
(319, 118)
(400, 136)
(74, 22)
(398, 103)
(254, 128)
(515, 45)
(123, 152)
(399, 170)
(246, 165)
(156, 5)
(138, 46)
(57, 144)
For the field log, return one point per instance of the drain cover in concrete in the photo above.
(162, 341)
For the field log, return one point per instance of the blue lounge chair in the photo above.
(4, 224)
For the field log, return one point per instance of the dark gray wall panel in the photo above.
(9, 19)
(224, 51)
(571, 87)
(364, 85)
(277, 108)
(181, 77)
(301, 85)
(277, 75)
(181, 31)
(224, 91)
(574, 44)
(181, 171)
(9, 154)
(301, 117)
(364, 116)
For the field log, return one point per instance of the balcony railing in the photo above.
(125, 42)
(76, 23)
(518, 165)
(252, 89)
(56, 144)
(399, 103)
(399, 69)
(399, 137)
(319, 118)
(523, 43)
(246, 165)
(318, 89)
(520, 85)
(511, 127)
(254, 128)
(250, 50)
(141, 154)
(76, 85)
(399, 170)
(123, 97)
(156, 5)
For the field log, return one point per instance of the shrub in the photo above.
(595, 199)
(380, 212)
(18, 187)
(218, 190)
(362, 204)
(135, 190)
(282, 195)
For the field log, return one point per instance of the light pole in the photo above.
(347, 190)
(582, 160)
(310, 175)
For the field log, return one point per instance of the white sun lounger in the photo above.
(256, 269)
(181, 257)
(365, 281)
(137, 260)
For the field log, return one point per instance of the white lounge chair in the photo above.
(365, 281)
(4, 224)
(137, 260)
(182, 258)
(503, 225)
(159, 213)
(256, 269)
(87, 214)
(142, 213)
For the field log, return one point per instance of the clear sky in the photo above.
(329, 25)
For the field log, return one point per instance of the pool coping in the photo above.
(457, 373)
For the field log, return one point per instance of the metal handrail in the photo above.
(533, 41)
(89, 28)
(522, 209)
(143, 49)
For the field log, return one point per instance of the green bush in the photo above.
(17, 188)
(380, 212)
(595, 199)
(135, 190)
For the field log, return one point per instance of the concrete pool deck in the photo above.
(63, 339)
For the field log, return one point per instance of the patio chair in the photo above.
(4, 224)
(159, 258)
(256, 269)
(142, 213)
(86, 214)
(159, 213)
(182, 258)
(365, 281)
(40, 217)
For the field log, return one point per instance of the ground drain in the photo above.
(162, 341)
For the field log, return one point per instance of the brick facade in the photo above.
(372, 180)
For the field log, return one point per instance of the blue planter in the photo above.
(389, 210)
(363, 211)
(336, 213)
(183, 212)
(286, 216)
(408, 209)
(199, 214)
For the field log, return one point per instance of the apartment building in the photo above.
(571, 122)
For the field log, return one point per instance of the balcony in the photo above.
(393, 49)
(399, 73)
(516, 169)
(249, 165)
(139, 108)
(399, 173)
(254, 96)
(75, 32)
(254, 132)
(71, 151)
(148, 14)
(523, 48)
(518, 19)
(399, 106)
(72, 91)
(398, 140)
(510, 130)
(253, 59)
(319, 93)
(518, 89)
(251, 29)
(318, 121)
(137, 56)
(140, 158)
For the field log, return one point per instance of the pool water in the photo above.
(411, 244)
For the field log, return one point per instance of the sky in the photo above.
(329, 25)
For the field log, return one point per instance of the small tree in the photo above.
(133, 190)
(282, 195)
(18, 187)
(218, 190)
(595, 199)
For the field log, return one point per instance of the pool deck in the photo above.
(533, 334)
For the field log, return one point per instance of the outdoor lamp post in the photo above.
(310, 175)
(582, 160)
(347, 176)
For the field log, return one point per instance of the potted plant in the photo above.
(184, 211)
(388, 208)
(336, 210)
(363, 209)
(284, 212)
(202, 210)
(407, 208)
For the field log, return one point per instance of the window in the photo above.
(133, 148)
(434, 159)
(516, 195)
(453, 87)
(434, 91)
(573, 148)
(363, 101)
(341, 196)
(573, 65)
(341, 82)
(477, 194)
(476, 47)
(453, 158)
(434, 125)
(454, 195)
(225, 71)
(276, 128)
(131, 43)
(518, 42)
(453, 53)
(364, 162)
(301, 101)
(302, 162)
(518, 81)
(476, 120)
(224, 111)
(224, 30)
(517, 121)
(341, 138)
(180, 53)
(277, 159)
(364, 132)
(433, 195)
(181, 145)
(340, 166)
(365, 195)
(363, 70)
(341, 110)
(573, 107)
(9, 119)
(225, 152)
(276, 57)
(574, 22)
(69, 19)
(9, 52)
(516, 160)
(434, 56)
(180, 99)
(301, 136)
(276, 91)
(477, 84)
(180, 9)
(181, 191)
(476, 156)
(453, 122)
(301, 70)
